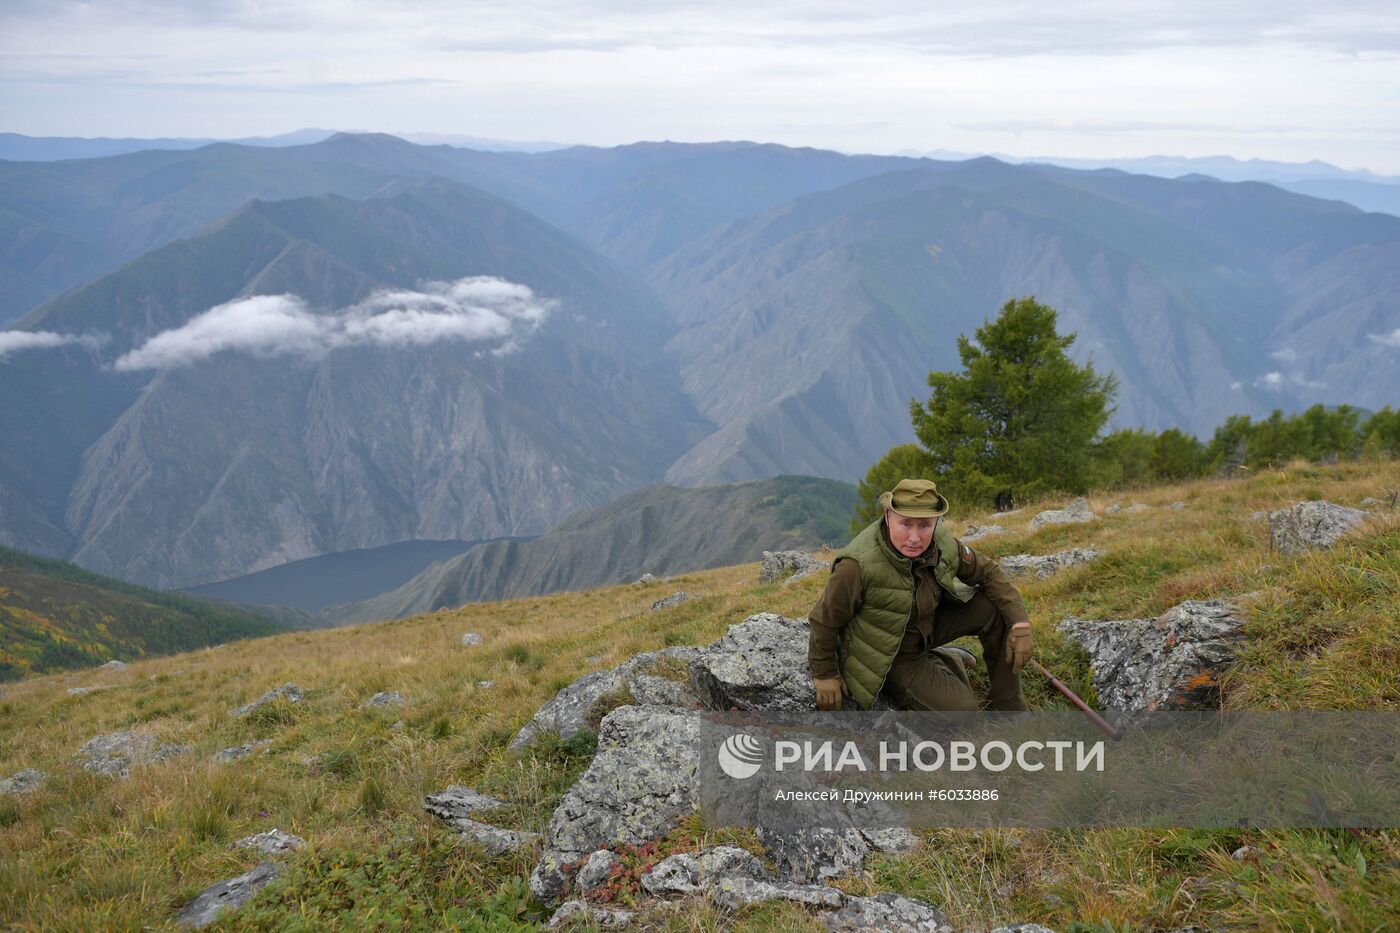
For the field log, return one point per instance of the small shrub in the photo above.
(442, 728)
(372, 798)
(342, 762)
(9, 813)
(209, 821)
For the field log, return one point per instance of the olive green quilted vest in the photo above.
(869, 642)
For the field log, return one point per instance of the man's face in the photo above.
(910, 536)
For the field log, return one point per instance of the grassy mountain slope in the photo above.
(56, 616)
(132, 852)
(657, 530)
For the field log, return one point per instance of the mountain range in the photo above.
(234, 357)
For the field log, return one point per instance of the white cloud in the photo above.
(1271, 380)
(12, 341)
(1286, 355)
(1391, 339)
(1277, 380)
(475, 309)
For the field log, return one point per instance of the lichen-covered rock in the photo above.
(1311, 525)
(734, 893)
(226, 895)
(814, 854)
(975, 532)
(692, 874)
(494, 839)
(788, 565)
(594, 873)
(639, 786)
(471, 638)
(383, 699)
(675, 599)
(887, 912)
(287, 692)
(570, 710)
(271, 842)
(1043, 565)
(116, 753)
(1171, 662)
(1075, 513)
(581, 911)
(760, 663)
(239, 751)
(459, 803)
(22, 782)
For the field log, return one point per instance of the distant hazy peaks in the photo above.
(478, 309)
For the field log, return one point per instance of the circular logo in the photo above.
(740, 756)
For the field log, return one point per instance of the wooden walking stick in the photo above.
(1083, 707)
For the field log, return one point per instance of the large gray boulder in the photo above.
(1075, 513)
(639, 786)
(1043, 565)
(226, 895)
(1171, 662)
(1310, 525)
(571, 709)
(115, 754)
(760, 663)
(788, 566)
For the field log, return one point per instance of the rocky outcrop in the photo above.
(1043, 565)
(287, 692)
(760, 663)
(22, 782)
(1310, 525)
(271, 842)
(1171, 662)
(788, 566)
(116, 753)
(226, 895)
(1075, 513)
(573, 708)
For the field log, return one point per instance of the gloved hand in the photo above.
(830, 690)
(1019, 646)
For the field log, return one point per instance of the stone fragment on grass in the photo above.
(1075, 513)
(22, 782)
(974, 532)
(226, 895)
(1171, 662)
(688, 873)
(887, 912)
(646, 578)
(84, 691)
(383, 699)
(239, 751)
(113, 665)
(271, 842)
(115, 754)
(458, 802)
(1043, 565)
(734, 893)
(788, 566)
(1310, 525)
(675, 599)
(288, 692)
(471, 638)
(1178, 506)
(570, 710)
(580, 911)
(494, 839)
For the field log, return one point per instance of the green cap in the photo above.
(915, 498)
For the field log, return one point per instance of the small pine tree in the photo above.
(1022, 416)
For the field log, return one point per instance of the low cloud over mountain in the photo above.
(475, 309)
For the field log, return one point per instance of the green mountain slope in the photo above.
(657, 530)
(55, 616)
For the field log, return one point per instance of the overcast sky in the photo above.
(1284, 79)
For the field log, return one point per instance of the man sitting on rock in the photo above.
(903, 588)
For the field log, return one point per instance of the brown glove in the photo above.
(1019, 646)
(830, 690)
